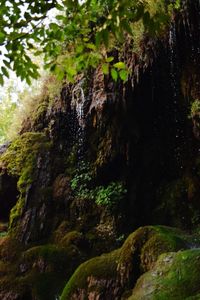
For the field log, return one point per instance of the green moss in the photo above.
(10, 251)
(51, 254)
(20, 157)
(147, 243)
(73, 237)
(102, 267)
(47, 252)
(16, 212)
(139, 253)
(39, 272)
(48, 259)
(20, 160)
(48, 266)
(50, 92)
(40, 111)
(45, 286)
(163, 240)
(60, 231)
(175, 276)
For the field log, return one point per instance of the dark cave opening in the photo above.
(8, 196)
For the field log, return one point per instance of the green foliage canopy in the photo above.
(7, 110)
(78, 37)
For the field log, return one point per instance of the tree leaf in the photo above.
(7, 64)
(120, 65)
(105, 69)
(139, 12)
(114, 74)
(109, 59)
(98, 39)
(123, 74)
(91, 46)
(105, 37)
(2, 37)
(147, 19)
(1, 79)
(5, 72)
(60, 18)
(126, 26)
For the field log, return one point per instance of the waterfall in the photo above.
(173, 59)
(78, 101)
(78, 109)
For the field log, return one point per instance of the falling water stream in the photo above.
(173, 57)
(78, 108)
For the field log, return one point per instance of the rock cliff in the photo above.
(99, 160)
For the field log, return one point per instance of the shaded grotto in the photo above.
(137, 143)
(8, 196)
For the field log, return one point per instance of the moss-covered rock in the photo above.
(60, 231)
(21, 157)
(175, 276)
(10, 286)
(44, 268)
(95, 277)
(114, 273)
(39, 272)
(22, 160)
(73, 237)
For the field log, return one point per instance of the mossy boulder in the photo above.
(24, 159)
(39, 272)
(21, 157)
(44, 268)
(10, 286)
(65, 238)
(96, 277)
(74, 237)
(175, 276)
(142, 248)
(114, 274)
